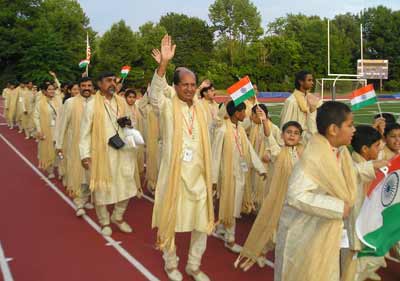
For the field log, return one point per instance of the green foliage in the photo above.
(41, 35)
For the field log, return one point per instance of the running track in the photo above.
(42, 240)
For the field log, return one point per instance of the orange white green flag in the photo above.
(363, 97)
(241, 91)
(378, 224)
(125, 70)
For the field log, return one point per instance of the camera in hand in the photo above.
(124, 122)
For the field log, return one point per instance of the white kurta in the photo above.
(121, 161)
(238, 174)
(307, 206)
(192, 213)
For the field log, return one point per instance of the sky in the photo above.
(103, 13)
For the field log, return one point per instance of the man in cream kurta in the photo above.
(191, 206)
(121, 161)
(301, 105)
(66, 133)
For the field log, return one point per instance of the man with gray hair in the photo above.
(183, 199)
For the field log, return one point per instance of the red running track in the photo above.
(40, 232)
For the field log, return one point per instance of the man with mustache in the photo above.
(69, 130)
(112, 164)
(183, 199)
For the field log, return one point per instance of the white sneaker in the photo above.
(199, 276)
(27, 138)
(106, 230)
(89, 206)
(173, 274)
(261, 261)
(235, 248)
(51, 176)
(123, 226)
(374, 276)
(80, 212)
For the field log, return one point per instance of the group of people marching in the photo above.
(193, 153)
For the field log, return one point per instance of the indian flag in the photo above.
(241, 90)
(378, 224)
(363, 97)
(84, 63)
(125, 70)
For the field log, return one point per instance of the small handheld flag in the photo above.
(241, 91)
(363, 97)
(84, 63)
(125, 70)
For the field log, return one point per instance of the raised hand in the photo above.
(167, 53)
(156, 54)
(204, 84)
(52, 73)
(380, 124)
(167, 49)
(261, 114)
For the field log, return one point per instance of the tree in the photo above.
(382, 37)
(150, 38)
(57, 41)
(194, 39)
(236, 22)
(118, 46)
(16, 22)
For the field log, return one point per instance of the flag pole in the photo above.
(87, 48)
(379, 107)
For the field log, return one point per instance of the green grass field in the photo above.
(363, 116)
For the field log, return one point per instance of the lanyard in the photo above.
(109, 116)
(238, 141)
(190, 126)
(109, 104)
(52, 107)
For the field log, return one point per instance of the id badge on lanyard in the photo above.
(187, 154)
(243, 165)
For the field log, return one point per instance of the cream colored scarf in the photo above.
(137, 118)
(100, 177)
(166, 229)
(74, 167)
(227, 198)
(337, 181)
(259, 183)
(266, 223)
(152, 149)
(47, 154)
(301, 101)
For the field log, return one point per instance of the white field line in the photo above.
(5, 269)
(133, 261)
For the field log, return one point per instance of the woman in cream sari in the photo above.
(44, 117)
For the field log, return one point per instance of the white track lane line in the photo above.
(133, 261)
(5, 269)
